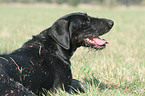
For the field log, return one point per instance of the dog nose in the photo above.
(110, 23)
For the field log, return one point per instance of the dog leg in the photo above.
(78, 86)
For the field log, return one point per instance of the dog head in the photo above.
(79, 29)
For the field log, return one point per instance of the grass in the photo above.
(118, 70)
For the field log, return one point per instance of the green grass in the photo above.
(118, 70)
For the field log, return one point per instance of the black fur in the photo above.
(44, 61)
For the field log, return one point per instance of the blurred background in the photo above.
(118, 70)
(109, 3)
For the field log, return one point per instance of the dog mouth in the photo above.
(96, 42)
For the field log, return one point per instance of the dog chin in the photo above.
(99, 47)
(95, 47)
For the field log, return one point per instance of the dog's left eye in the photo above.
(85, 23)
(86, 20)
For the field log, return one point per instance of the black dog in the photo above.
(44, 61)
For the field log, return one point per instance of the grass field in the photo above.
(118, 70)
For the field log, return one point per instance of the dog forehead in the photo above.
(73, 15)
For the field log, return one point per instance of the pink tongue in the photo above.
(99, 41)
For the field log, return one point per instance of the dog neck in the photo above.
(64, 54)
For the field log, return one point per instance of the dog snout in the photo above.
(110, 23)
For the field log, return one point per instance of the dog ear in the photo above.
(60, 33)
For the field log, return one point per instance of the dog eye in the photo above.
(85, 22)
